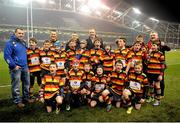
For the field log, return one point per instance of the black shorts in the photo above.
(96, 96)
(153, 78)
(85, 85)
(51, 101)
(115, 97)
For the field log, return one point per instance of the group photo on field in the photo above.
(89, 61)
(86, 71)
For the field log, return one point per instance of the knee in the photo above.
(101, 99)
(137, 106)
(93, 103)
(105, 93)
(118, 104)
(59, 100)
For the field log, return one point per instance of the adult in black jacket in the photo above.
(163, 49)
(92, 37)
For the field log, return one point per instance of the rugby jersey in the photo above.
(51, 85)
(118, 80)
(60, 59)
(134, 57)
(88, 79)
(95, 56)
(137, 83)
(46, 57)
(121, 54)
(71, 55)
(75, 78)
(155, 62)
(99, 83)
(33, 60)
(83, 56)
(107, 61)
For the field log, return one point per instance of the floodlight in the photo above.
(135, 22)
(154, 19)
(105, 7)
(85, 9)
(98, 13)
(68, 5)
(145, 26)
(94, 4)
(51, 2)
(41, 1)
(21, 2)
(117, 12)
(136, 10)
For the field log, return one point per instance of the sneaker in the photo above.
(151, 99)
(108, 108)
(156, 103)
(20, 105)
(129, 110)
(161, 97)
(68, 107)
(57, 110)
(31, 100)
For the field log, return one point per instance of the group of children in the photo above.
(126, 77)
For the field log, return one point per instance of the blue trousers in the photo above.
(17, 76)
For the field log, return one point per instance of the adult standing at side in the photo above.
(154, 38)
(16, 57)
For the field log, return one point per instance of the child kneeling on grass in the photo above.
(136, 90)
(52, 89)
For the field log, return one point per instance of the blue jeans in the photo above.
(17, 76)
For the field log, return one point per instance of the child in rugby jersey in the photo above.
(46, 57)
(99, 85)
(96, 53)
(136, 89)
(121, 52)
(83, 54)
(117, 80)
(107, 59)
(134, 55)
(87, 82)
(52, 89)
(74, 80)
(71, 53)
(155, 69)
(33, 64)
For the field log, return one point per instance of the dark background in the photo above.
(168, 10)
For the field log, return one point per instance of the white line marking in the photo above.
(2, 86)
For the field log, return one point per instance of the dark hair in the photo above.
(18, 28)
(139, 36)
(97, 39)
(53, 30)
(119, 61)
(46, 41)
(33, 40)
(124, 39)
(53, 63)
(136, 42)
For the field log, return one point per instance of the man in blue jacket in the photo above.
(16, 58)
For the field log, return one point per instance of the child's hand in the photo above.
(41, 100)
(160, 77)
(142, 101)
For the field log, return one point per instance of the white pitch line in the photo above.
(2, 86)
(173, 64)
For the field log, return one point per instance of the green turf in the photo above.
(168, 111)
